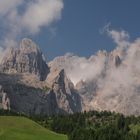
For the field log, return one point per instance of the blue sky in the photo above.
(78, 30)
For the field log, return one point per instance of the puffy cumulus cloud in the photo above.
(120, 38)
(41, 13)
(35, 13)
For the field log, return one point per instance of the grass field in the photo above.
(20, 128)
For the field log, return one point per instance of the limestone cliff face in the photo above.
(26, 59)
(4, 100)
(24, 98)
(66, 96)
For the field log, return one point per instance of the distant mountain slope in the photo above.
(20, 128)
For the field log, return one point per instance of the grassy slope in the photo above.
(20, 128)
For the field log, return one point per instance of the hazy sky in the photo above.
(69, 25)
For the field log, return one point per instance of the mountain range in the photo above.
(68, 84)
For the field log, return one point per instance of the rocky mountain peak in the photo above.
(25, 59)
(28, 46)
(58, 77)
(63, 82)
(66, 96)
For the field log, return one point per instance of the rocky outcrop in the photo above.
(4, 100)
(40, 100)
(26, 59)
(68, 100)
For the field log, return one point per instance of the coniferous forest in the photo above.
(94, 125)
(91, 125)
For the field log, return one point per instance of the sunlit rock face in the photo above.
(4, 100)
(26, 59)
(66, 96)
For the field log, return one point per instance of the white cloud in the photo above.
(23, 16)
(36, 13)
(7, 6)
(41, 13)
(121, 38)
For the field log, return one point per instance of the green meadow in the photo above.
(20, 128)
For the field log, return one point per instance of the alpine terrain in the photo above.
(68, 84)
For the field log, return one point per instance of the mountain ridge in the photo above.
(68, 84)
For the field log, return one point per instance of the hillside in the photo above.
(20, 128)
